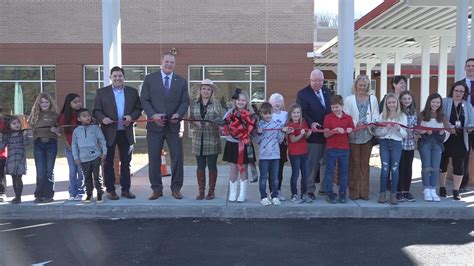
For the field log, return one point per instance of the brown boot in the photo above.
(201, 178)
(212, 184)
(393, 199)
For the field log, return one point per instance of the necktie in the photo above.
(320, 96)
(472, 92)
(167, 85)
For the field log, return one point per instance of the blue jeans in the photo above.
(76, 179)
(390, 153)
(342, 158)
(268, 167)
(45, 157)
(430, 153)
(299, 163)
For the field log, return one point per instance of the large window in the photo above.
(93, 79)
(19, 86)
(227, 78)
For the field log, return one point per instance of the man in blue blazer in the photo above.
(315, 103)
(165, 98)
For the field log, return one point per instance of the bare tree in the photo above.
(325, 19)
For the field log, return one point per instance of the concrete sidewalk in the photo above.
(168, 207)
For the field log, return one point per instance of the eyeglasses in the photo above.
(459, 91)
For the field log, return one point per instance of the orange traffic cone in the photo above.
(164, 168)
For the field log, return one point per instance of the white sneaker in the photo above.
(427, 194)
(276, 201)
(280, 196)
(71, 198)
(265, 202)
(78, 197)
(434, 195)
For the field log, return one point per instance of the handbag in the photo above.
(374, 140)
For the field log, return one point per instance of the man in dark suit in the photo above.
(469, 80)
(115, 106)
(165, 99)
(315, 103)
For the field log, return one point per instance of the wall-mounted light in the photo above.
(410, 41)
(174, 51)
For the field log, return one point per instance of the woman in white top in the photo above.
(390, 137)
(363, 108)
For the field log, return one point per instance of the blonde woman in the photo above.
(45, 135)
(206, 141)
(363, 108)
(390, 137)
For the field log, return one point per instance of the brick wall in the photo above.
(160, 21)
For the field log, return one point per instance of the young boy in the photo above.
(337, 148)
(88, 149)
(270, 134)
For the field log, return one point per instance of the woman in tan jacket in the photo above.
(206, 141)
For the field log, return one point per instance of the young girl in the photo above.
(68, 116)
(43, 117)
(390, 137)
(240, 127)
(408, 148)
(298, 132)
(15, 139)
(280, 115)
(430, 144)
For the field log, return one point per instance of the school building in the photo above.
(56, 46)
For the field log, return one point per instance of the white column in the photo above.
(398, 63)
(425, 70)
(356, 70)
(345, 59)
(368, 69)
(383, 73)
(112, 37)
(443, 66)
(461, 38)
(472, 29)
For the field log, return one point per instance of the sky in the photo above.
(361, 7)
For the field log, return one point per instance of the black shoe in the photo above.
(400, 197)
(38, 200)
(456, 195)
(127, 194)
(331, 198)
(100, 198)
(88, 198)
(312, 196)
(409, 197)
(321, 193)
(47, 200)
(16, 200)
(342, 198)
(255, 179)
(442, 192)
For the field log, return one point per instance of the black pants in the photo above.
(406, 165)
(3, 179)
(91, 172)
(465, 178)
(125, 152)
(17, 185)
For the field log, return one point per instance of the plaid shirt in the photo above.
(16, 159)
(207, 137)
(408, 143)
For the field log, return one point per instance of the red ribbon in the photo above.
(241, 125)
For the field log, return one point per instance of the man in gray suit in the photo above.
(165, 99)
(115, 106)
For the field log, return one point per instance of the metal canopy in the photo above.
(385, 29)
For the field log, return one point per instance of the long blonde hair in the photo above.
(247, 97)
(36, 109)
(385, 111)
